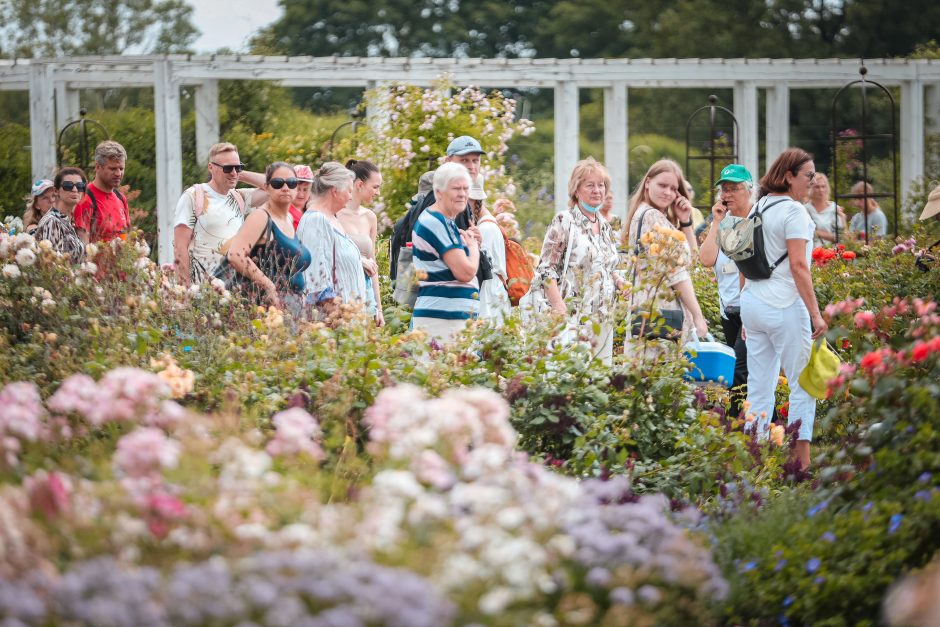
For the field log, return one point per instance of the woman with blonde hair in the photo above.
(41, 199)
(661, 200)
(335, 274)
(361, 225)
(577, 268)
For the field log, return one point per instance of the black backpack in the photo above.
(744, 245)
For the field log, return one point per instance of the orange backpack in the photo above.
(519, 271)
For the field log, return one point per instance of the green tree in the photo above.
(54, 28)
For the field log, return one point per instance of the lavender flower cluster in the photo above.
(297, 588)
(618, 533)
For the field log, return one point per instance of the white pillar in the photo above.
(42, 133)
(932, 107)
(567, 133)
(207, 119)
(912, 134)
(66, 105)
(745, 110)
(778, 121)
(615, 144)
(166, 98)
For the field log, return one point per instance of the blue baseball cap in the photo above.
(464, 145)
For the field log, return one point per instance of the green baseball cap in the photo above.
(735, 173)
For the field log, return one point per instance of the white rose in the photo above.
(91, 250)
(25, 257)
(24, 240)
(89, 267)
(11, 271)
(47, 304)
(45, 245)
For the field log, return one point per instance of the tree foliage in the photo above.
(53, 28)
(601, 28)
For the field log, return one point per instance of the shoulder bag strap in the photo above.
(564, 269)
(636, 249)
(761, 212)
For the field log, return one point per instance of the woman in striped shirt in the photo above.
(446, 259)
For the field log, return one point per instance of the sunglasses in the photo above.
(228, 169)
(69, 186)
(279, 183)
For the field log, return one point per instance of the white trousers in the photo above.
(439, 329)
(777, 338)
(601, 345)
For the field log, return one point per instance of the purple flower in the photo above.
(819, 580)
(815, 509)
(749, 566)
(779, 565)
(895, 523)
(867, 506)
(828, 537)
(924, 477)
(923, 495)
(787, 602)
(813, 565)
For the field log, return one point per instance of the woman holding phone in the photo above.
(661, 199)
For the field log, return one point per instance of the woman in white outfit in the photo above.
(494, 299)
(780, 315)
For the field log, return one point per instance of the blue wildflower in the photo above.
(749, 566)
(819, 580)
(923, 495)
(815, 509)
(187, 348)
(779, 565)
(828, 537)
(895, 523)
(867, 506)
(813, 565)
(787, 602)
(924, 477)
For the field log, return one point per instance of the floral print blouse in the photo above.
(590, 285)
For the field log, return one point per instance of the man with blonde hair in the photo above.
(103, 214)
(209, 214)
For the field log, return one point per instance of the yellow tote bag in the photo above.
(822, 367)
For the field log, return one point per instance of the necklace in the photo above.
(594, 221)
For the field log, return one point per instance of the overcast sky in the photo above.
(231, 23)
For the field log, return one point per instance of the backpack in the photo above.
(93, 222)
(743, 243)
(519, 272)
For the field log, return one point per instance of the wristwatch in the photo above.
(685, 224)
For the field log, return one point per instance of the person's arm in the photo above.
(464, 265)
(551, 262)
(182, 236)
(239, 254)
(796, 249)
(708, 253)
(825, 235)
(686, 293)
(255, 197)
(683, 209)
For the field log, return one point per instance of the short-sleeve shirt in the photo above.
(109, 220)
(440, 294)
(219, 221)
(825, 220)
(786, 220)
(877, 223)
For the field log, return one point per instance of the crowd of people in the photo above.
(306, 241)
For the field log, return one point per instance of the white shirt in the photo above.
(825, 220)
(494, 301)
(786, 220)
(219, 222)
(729, 286)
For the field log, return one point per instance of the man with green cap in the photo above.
(735, 192)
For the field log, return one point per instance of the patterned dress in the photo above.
(59, 230)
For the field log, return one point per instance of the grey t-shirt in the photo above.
(877, 223)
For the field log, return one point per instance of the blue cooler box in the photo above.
(711, 361)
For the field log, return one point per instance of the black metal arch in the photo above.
(713, 109)
(84, 148)
(864, 137)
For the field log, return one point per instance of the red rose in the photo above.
(871, 360)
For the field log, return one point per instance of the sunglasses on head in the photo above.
(228, 169)
(70, 185)
(278, 183)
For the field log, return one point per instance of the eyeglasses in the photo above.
(591, 187)
(70, 185)
(278, 183)
(811, 175)
(731, 190)
(229, 168)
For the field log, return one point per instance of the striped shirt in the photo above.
(440, 295)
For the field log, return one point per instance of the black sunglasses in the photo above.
(69, 186)
(228, 169)
(278, 183)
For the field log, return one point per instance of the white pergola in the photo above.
(53, 86)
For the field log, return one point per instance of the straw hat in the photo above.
(932, 207)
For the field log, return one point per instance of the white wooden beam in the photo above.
(745, 110)
(42, 120)
(615, 144)
(166, 100)
(207, 119)
(778, 122)
(912, 134)
(567, 132)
